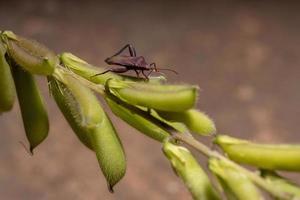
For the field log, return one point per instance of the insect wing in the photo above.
(121, 60)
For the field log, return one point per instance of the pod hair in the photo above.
(30, 55)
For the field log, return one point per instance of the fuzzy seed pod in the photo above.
(236, 185)
(87, 117)
(138, 119)
(7, 86)
(266, 156)
(70, 109)
(34, 114)
(29, 54)
(174, 98)
(192, 174)
(196, 121)
(281, 184)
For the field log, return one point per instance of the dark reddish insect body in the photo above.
(125, 63)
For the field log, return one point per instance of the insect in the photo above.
(131, 62)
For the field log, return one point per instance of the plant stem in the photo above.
(202, 148)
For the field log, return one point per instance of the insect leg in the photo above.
(109, 70)
(154, 65)
(115, 70)
(137, 73)
(145, 75)
(154, 68)
(151, 70)
(130, 48)
(132, 51)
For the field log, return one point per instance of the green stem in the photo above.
(190, 140)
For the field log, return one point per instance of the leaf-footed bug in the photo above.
(131, 62)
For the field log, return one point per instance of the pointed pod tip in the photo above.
(31, 150)
(110, 188)
(223, 139)
(9, 34)
(69, 57)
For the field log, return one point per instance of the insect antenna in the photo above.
(165, 69)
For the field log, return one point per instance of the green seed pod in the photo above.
(177, 126)
(137, 118)
(109, 152)
(70, 109)
(236, 185)
(100, 131)
(273, 157)
(29, 54)
(281, 184)
(7, 87)
(174, 98)
(196, 121)
(88, 71)
(188, 169)
(34, 114)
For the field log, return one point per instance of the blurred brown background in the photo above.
(244, 55)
